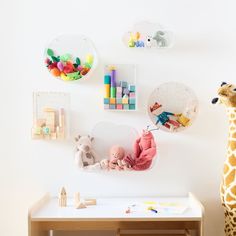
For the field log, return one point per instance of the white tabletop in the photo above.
(110, 209)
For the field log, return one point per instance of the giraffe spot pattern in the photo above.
(226, 169)
(230, 178)
(232, 160)
(232, 145)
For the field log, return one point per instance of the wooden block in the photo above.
(112, 106)
(53, 136)
(62, 198)
(80, 205)
(132, 100)
(131, 106)
(125, 100)
(132, 95)
(106, 100)
(112, 101)
(106, 106)
(118, 89)
(118, 100)
(132, 88)
(90, 201)
(40, 122)
(77, 199)
(119, 107)
(123, 84)
(126, 107)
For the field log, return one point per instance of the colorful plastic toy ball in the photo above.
(70, 57)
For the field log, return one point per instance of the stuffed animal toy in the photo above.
(144, 152)
(85, 155)
(227, 96)
(117, 155)
(160, 39)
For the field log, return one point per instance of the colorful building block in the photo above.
(123, 84)
(118, 100)
(112, 101)
(118, 89)
(131, 106)
(112, 106)
(132, 95)
(132, 88)
(126, 91)
(106, 106)
(113, 92)
(126, 107)
(125, 100)
(107, 79)
(107, 90)
(119, 106)
(118, 95)
(106, 100)
(132, 100)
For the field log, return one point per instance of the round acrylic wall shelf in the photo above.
(70, 57)
(172, 106)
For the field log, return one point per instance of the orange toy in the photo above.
(55, 72)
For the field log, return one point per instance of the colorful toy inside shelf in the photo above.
(49, 116)
(98, 153)
(148, 35)
(70, 58)
(120, 88)
(172, 107)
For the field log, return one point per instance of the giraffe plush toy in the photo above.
(227, 96)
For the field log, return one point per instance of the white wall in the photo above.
(203, 56)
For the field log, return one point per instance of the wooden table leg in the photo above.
(35, 230)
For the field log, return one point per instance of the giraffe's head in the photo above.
(226, 95)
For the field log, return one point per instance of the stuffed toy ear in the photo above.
(77, 138)
(223, 83)
(91, 138)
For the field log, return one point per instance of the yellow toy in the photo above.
(183, 120)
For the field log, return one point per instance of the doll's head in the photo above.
(156, 109)
(226, 95)
(117, 153)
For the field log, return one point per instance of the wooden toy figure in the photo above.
(227, 96)
(62, 198)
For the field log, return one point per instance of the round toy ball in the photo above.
(60, 66)
(55, 72)
(89, 59)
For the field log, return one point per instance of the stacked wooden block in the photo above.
(119, 95)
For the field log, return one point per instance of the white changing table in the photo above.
(46, 216)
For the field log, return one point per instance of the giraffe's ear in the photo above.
(223, 83)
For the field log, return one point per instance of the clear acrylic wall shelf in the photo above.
(172, 107)
(120, 87)
(71, 57)
(50, 115)
(148, 35)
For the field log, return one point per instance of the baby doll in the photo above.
(117, 155)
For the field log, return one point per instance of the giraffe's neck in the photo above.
(231, 112)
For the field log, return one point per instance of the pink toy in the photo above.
(117, 154)
(144, 152)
